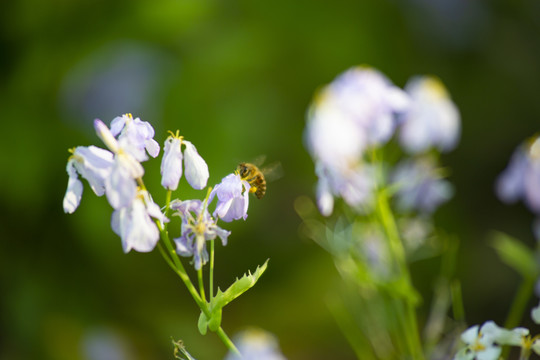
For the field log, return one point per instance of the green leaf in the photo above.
(203, 324)
(221, 299)
(239, 287)
(515, 254)
(215, 321)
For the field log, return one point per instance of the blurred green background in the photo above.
(235, 77)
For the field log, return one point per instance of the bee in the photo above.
(254, 177)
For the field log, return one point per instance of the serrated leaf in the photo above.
(515, 254)
(239, 287)
(221, 299)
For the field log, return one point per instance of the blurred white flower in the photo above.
(521, 178)
(256, 344)
(432, 119)
(420, 185)
(356, 111)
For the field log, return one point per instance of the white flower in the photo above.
(356, 111)
(171, 163)
(135, 226)
(256, 344)
(420, 186)
(432, 120)
(196, 168)
(93, 164)
(197, 228)
(535, 314)
(233, 198)
(479, 346)
(136, 136)
(120, 185)
(485, 343)
(521, 178)
(355, 185)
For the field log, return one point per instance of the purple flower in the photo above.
(171, 166)
(120, 185)
(197, 227)
(420, 185)
(93, 164)
(135, 136)
(521, 178)
(135, 226)
(233, 199)
(432, 120)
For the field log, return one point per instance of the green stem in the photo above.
(520, 302)
(457, 301)
(227, 341)
(396, 247)
(168, 202)
(201, 284)
(211, 274)
(181, 271)
(172, 259)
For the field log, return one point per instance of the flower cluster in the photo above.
(117, 173)
(360, 111)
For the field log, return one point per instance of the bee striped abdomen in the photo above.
(254, 177)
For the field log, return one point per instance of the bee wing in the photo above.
(273, 171)
(259, 161)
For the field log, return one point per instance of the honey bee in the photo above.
(254, 177)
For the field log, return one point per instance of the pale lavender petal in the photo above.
(223, 235)
(196, 169)
(94, 164)
(222, 208)
(120, 186)
(118, 123)
(510, 184)
(532, 187)
(184, 246)
(73, 195)
(171, 164)
(152, 147)
(106, 136)
(144, 234)
(432, 120)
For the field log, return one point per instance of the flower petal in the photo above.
(196, 168)
(73, 195)
(171, 164)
